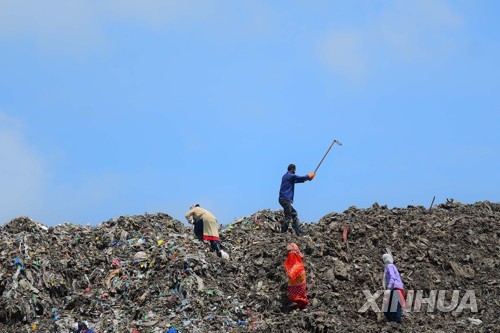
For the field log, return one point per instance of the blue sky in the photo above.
(112, 108)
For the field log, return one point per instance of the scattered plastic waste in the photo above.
(148, 274)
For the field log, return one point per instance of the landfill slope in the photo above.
(147, 273)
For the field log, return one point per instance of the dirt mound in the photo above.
(147, 272)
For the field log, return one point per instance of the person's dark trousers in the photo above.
(198, 229)
(215, 245)
(394, 311)
(290, 216)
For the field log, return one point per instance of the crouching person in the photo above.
(210, 232)
(393, 307)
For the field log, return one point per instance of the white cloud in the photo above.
(408, 30)
(342, 53)
(56, 23)
(82, 24)
(22, 172)
(416, 28)
(30, 188)
(158, 12)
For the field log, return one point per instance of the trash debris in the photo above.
(148, 273)
(475, 321)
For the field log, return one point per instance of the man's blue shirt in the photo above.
(288, 185)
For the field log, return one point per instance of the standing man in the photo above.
(202, 217)
(286, 197)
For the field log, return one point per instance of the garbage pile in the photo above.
(147, 273)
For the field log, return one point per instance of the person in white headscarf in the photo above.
(393, 283)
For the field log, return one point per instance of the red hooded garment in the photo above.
(294, 265)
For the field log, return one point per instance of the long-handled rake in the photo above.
(334, 142)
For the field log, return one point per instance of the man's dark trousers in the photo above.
(290, 215)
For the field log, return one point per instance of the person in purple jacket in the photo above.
(393, 283)
(285, 199)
